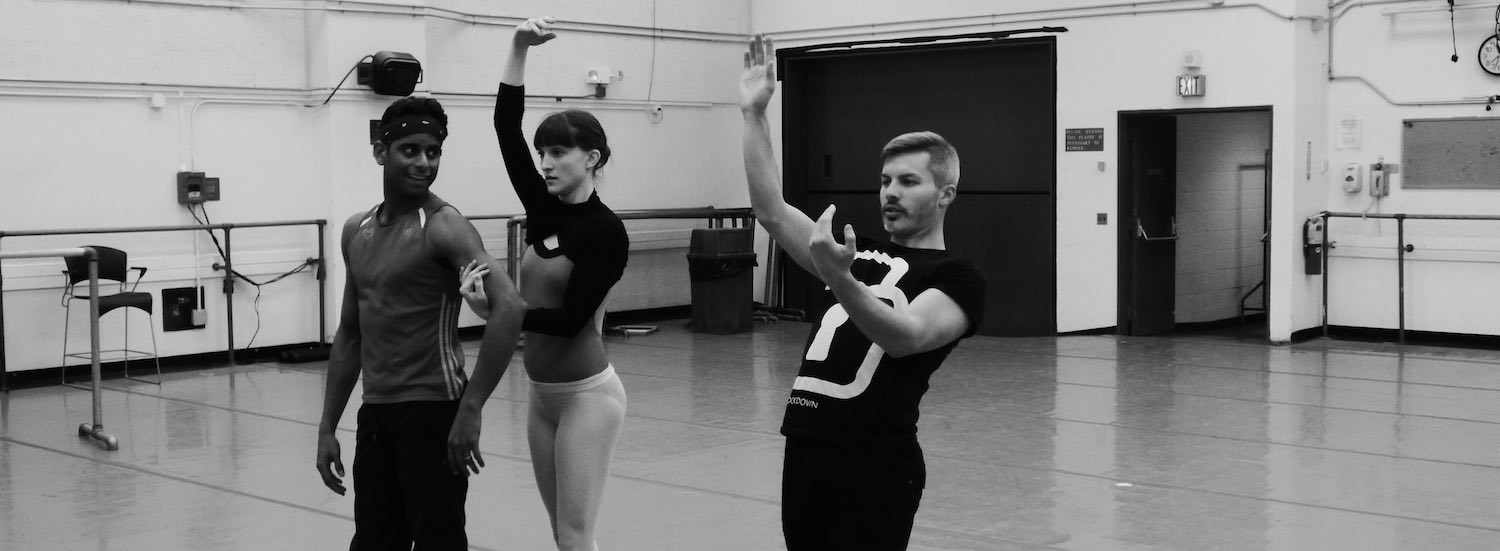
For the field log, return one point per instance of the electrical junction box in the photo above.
(181, 308)
(196, 187)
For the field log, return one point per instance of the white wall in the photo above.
(1220, 205)
(1299, 131)
(234, 81)
(1390, 67)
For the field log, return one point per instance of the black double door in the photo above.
(994, 100)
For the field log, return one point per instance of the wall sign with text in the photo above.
(1083, 139)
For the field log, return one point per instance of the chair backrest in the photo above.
(112, 266)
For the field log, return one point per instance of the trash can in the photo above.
(719, 266)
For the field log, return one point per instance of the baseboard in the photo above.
(1252, 319)
(33, 378)
(1307, 334)
(1112, 330)
(1424, 338)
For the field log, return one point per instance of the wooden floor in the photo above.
(1068, 443)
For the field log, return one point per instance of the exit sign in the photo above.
(1190, 85)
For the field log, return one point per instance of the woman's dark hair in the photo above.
(573, 128)
(414, 105)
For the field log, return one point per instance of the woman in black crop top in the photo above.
(576, 251)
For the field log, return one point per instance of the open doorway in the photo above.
(1193, 209)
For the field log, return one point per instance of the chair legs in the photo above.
(154, 357)
(125, 352)
(67, 317)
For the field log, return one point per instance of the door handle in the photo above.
(1141, 231)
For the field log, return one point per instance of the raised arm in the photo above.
(789, 226)
(458, 243)
(343, 373)
(510, 102)
(532, 32)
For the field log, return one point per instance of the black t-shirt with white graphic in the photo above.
(848, 392)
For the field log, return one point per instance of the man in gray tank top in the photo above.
(418, 427)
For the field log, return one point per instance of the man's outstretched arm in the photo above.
(789, 226)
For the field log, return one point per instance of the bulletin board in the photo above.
(1451, 153)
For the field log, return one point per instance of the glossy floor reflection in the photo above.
(1069, 443)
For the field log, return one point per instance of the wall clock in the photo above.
(1489, 50)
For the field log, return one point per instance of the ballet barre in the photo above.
(227, 267)
(1402, 247)
(95, 430)
(515, 224)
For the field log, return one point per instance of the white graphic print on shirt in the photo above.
(837, 317)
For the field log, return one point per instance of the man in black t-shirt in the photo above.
(853, 473)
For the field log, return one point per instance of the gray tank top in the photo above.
(408, 309)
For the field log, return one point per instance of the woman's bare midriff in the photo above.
(551, 358)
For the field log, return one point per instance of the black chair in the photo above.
(112, 267)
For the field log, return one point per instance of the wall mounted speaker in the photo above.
(390, 73)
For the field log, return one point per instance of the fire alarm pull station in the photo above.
(195, 187)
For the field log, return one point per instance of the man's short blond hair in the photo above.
(942, 157)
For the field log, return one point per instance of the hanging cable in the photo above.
(1453, 31)
(235, 273)
(651, 78)
(205, 221)
(362, 60)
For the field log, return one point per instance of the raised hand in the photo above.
(471, 286)
(758, 82)
(830, 258)
(535, 31)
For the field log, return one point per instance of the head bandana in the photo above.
(401, 127)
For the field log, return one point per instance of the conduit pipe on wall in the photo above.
(76, 95)
(487, 100)
(1123, 9)
(1431, 9)
(1471, 100)
(104, 89)
(1334, 76)
(193, 120)
(470, 99)
(1366, 3)
(289, 96)
(1334, 17)
(1077, 12)
(272, 95)
(356, 6)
